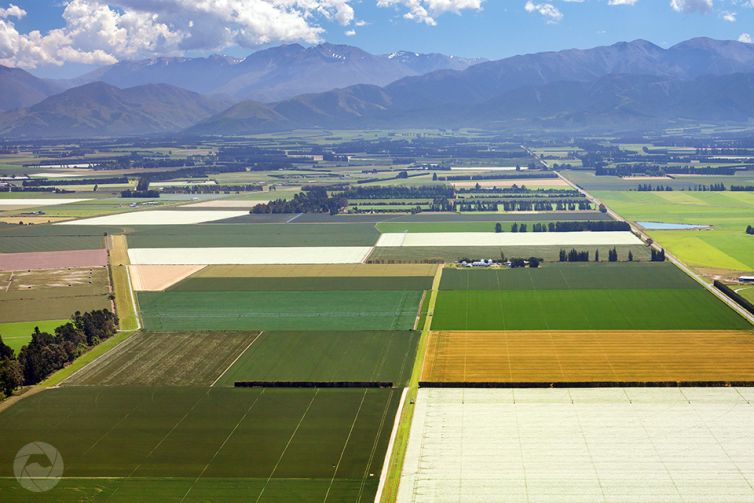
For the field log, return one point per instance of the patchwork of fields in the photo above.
(296, 308)
(724, 246)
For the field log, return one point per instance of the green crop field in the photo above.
(18, 334)
(354, 310)
(290, 284)
(619, 309)
(166, 359)
(386, 356)
(39, 238)
(422, 254)
(575, 276)
(725, 246)
(590, 182)
(195, 444)
(237, 235)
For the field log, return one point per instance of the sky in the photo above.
(64, 38)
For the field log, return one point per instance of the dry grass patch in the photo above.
(156, 278)
(580, 356)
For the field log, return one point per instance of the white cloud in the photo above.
(691, 5)
(12, 11)
(728, 16)
(547, 10)
(622, 2)
(350, 33)
(745, 38)
(427, 11)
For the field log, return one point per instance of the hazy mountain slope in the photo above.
(613, 102)
(621, 82)
(19, 88)
(102, 110)
(277, 73)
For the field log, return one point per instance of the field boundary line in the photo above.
(391, 443)
(134, 303)
(237, 358)
(403, 433)
(288, 444)
(672, 258)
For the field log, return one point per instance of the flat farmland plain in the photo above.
(553, 357)
(584, 309)
(41, 238)
(251, 235)
(193, 444)
(670, 445)
(18, 334)
(53, 294)
(249, 256)
(316, 271)
(570, 276)
(291, 284)
(502, 239)
(386, 356)
(638, 296)
(166, 359)
(437, 254)
(724, 246)
(321, 310)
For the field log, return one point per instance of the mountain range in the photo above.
(277, 73)
(628, 85)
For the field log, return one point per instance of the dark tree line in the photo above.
(574, 255)
(750, 230)
(47, 352)
(314, 200)
(586, 226)
(658, 256)
(742, 188)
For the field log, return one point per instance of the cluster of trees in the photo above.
(742, 188)
(313, 200)
(648, 169)
(750, 230)
(658, 256)
(523, 205)
(516, 263)
(574, 255)
(500, 176)
(598, 226)
(654, 188)
(142, 190)
(47, 352)
(399, 192)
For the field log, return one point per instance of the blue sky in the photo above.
(65, 37)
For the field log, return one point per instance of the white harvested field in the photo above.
(488, 168)
(581, 446)
(19, 203)
(156, 278)
(226, 204)
(249, 256)
(159, 217)
(507, 239)
(529, 182)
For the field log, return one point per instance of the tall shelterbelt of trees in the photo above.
(47, 352)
